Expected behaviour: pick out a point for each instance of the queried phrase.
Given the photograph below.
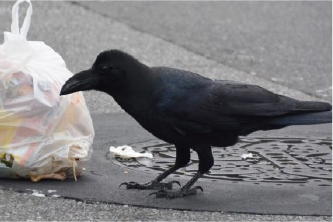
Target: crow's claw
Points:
(176, 193)
(126, 184)
(135, 185)
(199, 188)
(131, 185)
(152, 193)
(154, 185)
(176, 182)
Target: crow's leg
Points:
(182, 158)
(206, 161)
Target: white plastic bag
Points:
(41, 133)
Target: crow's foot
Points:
(154, 185)
(177, 193)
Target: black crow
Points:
(191, 111)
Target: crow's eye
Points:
(105, 68)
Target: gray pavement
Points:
(79, 34)
(287, 42)
(24, 207)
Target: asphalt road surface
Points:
(289, 43)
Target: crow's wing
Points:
(218, 105)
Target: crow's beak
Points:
(81, 81)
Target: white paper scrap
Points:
(127, 152)
(37, 193)
(247, 155)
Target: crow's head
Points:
(109, 72)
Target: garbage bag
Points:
(41, 133)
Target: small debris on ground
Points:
(128, 152)
(37, 193)
(247, 156)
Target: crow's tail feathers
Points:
(303, 119)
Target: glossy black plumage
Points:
(191, 111)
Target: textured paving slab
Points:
(102, 177)
(277, 161)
